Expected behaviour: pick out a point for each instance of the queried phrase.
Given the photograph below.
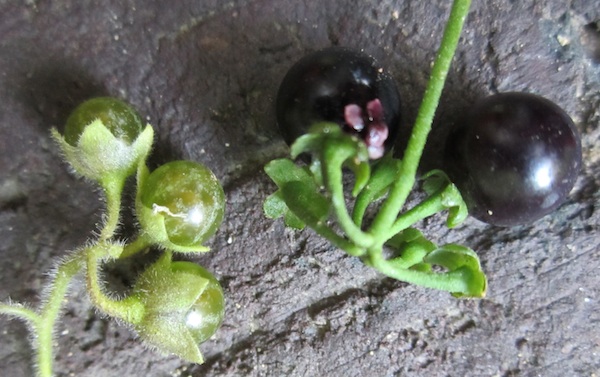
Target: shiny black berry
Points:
(341, 86)
(515, 158)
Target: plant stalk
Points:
(50, 311)
(408, 170)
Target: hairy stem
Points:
(140, 243)
(130, 309)
(414, 150)
(113, 188)
(51, 310)
(21, 312)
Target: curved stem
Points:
(45, 326)
(426, 208)
(130, 309)
(410, 162)
(113, 188)
(141, 242)
(332, 171)
(340, 242)
(21, 312)
(454, 281)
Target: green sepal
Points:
(169, 337)
(167, 295)
(101, 157)
(155, 230)
(436, 182)
(162, 290)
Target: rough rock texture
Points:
(205, 73)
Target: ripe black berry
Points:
(515, 158)
(341, 86)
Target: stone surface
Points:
(205, 74)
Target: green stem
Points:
(45, 326)
(339, 242)
(113, 188)
(383, 175)
(426, 208)
(410, 162)
(20, 312)
(130, 309)
(454, 281)
(332, 171)
(140, 243)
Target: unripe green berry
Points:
(119, 117)
(183, 199)
(183, 307)
(204, 318)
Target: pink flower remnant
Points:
(371, 127)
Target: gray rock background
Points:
(204, 73)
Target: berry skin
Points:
(187, 197)
(515, 158)
(120, 118)
(341, 86)
(204, 318)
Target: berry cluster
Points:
(173, 305)
(511, 160)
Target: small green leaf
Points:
(274, 206)
(305, 202)
(293, 221)
(284, 170)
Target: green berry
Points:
(183, 304)
(187, 197)
(120, 119)
(204, 318)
